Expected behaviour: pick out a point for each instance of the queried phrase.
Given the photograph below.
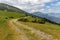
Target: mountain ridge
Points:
(10, 8)
(51, 17)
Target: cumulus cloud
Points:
(31, 5)
(58, 3)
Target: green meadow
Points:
(4, 18)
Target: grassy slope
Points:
(49, 28)
(4, 30)
(10, 8)
(5, 33)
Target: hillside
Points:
(7, 13)
(30, 27)
(10, 8)
(47, 28)
(53, 17)
(4, 17)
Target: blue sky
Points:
(45, 6)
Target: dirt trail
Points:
(17, 33)
(38, 32)
(21, 35)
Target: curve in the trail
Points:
(38, 32)
(14, 26)
(17, 33)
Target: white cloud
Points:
(58, 3)
(8, 0)
(45, 1)
(48, 6)
(31, 5)
(50, 10)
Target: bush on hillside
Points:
(6, 18)
(11, 17)
(34, 20)
(23, 19)
(42, 21)
(39, 20)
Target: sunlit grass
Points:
(29, 34)
(48, 28)
(5, 33)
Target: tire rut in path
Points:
(17, 33)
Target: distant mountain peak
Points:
(37, 12)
